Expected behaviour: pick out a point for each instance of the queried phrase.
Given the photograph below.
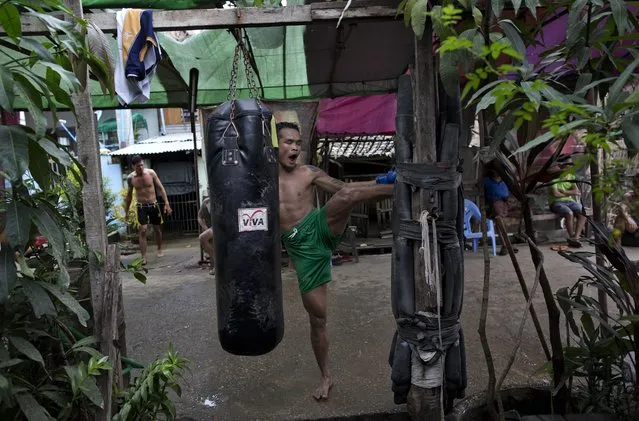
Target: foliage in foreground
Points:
(48, 362)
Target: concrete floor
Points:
(177, 305)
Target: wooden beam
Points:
(242, 17)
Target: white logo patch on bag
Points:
(252, 219)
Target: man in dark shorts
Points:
(310, 235)
(144, 181)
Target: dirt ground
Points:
(177, 305)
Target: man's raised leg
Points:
(339, 207)
(315, 304)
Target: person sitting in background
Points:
(497, 194)
(564, 201)
(626, 231)
(206, 238)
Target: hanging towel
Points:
(138, 55)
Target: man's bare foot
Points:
(321, 393)
(160, 253)
(144, 260)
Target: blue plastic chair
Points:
(471, 211)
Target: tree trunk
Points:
(424, 404)
(554, 328)
(93, 205)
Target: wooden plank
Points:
(107, 320)
(241, 17)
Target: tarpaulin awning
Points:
(358, 115)
(294, 62)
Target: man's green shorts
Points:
(310, 245)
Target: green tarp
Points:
(294, 63)
(111, 125)
(283, 74)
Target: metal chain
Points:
(233, 82)
(250, 80)
(250, 74)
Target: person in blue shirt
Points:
(496, 193)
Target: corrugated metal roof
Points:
(359, 146)
(175, 142)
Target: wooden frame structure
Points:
(423, 403)
(250, 17)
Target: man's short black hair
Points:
(136, 159)
(287, 125)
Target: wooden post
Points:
(108, 320)
(423, 403)
(93, 205)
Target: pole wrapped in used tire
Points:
(242, 168)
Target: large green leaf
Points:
(616, 90)
(418, 18)
(36, 46)
(32, 410)
(14, 151)
(6, 89)
(548, 136)
(10, 19)
(630, 129)
(620, 14)
(82, 382)
(90, 389)
(68, 300)
(56, 396)
(514, 36)
(8, 273)
(18, 223)
(516, 5)
(25, 347)
(39, 165)
(498, 6)
(38, 298)
(582, 90)
(532, 6)
(53, 80)
(56, 152)
(33, 98)
(50, 229)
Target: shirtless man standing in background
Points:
(148, 210)
(310, 235)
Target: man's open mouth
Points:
(293, 157)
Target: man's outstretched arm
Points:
(333, 185)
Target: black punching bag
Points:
(243, 180)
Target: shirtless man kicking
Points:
(144, 181)
(310, 235)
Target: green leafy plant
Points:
(586, 84)
(48, 362)
(148, 396)
(601, 353)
